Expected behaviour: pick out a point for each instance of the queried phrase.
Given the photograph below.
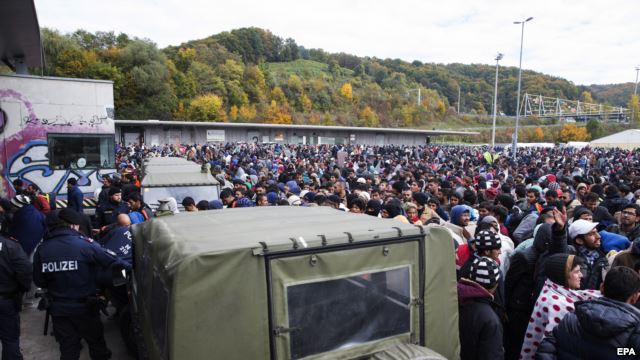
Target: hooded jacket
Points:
(454, 224)
(519, 281)
(479, 321)
(519, 289)
(614, 203)
(553, 304)
(28, 227)
(596, 329)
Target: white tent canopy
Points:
(628, 139)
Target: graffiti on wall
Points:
(31, 165)
(24, 150)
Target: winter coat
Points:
(557, 244)
(519, 289)
(614, 203)
(594, 331)
(519, 281)
(525, 229)
(28, 227)
(465, 271)
(75, 199)
(480, 323)
(554, 302)
(593, 274)
(602, 216)
(631, 235)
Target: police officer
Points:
(66, 264)
(118, 240)
(107, 213)
(15, 279)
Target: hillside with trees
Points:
(252, 75)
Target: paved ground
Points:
(34, 345)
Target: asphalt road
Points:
(34, 345)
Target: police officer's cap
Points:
(70, 216)
(114, 190)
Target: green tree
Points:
(206, 79)
(255, 84)
(235, 94)
(594, 128)
(231, 71)
(184, 58)
(146, 92)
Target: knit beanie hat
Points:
(558, 266)
(485, 271)
(579, 211)
(272, 198)
(70, 216)
(420, 198)
(487, 240)
(114, 190)
(20, 200)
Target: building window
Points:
(81, 151)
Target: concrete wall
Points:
(190, 134)
(33, 107)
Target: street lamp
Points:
(495, 103)
(635, 91)
(514, 146)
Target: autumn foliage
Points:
(571, 132)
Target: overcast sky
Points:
(587, 41)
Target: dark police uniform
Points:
(118, 240)
(66, 264)
(108, 212)
(15, 278)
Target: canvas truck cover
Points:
(174, 171)
(177, 178)
(214, 283)
(165, 161)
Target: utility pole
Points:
(635, 90)
(419, 98)
(495, 103)
(514, 146)
(635, 94)
(458, 99)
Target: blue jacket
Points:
(67, 264)
(28, 227)
(75, 199)
(594, 331)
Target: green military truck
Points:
(165, 177)
(293, 283)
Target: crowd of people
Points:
(547, 247)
